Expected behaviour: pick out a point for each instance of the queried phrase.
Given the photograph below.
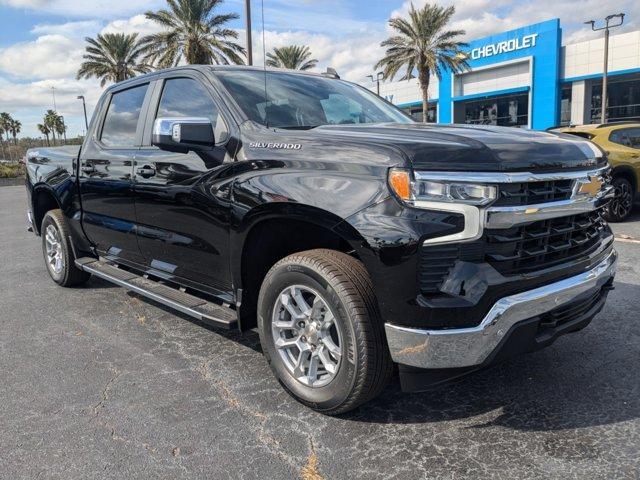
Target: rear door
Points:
(182, 199)
(106, 173)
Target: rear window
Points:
(121, 121)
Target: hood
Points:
(469, 147)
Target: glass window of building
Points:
(565, 105)
(506, 111)
(623, 99)
(416, 113)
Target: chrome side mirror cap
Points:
(183, 134)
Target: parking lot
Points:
(98, 383)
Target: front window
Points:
(304, 101)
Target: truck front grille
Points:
(543, 244)
(531, 193)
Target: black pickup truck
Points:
(353, 238)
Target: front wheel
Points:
(321, 331)
(621, 205)
(57, 251)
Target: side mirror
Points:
(183, 134)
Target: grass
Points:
(11, 170)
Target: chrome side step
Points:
(208, 312)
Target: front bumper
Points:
(469, 347)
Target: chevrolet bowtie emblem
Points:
(591, 187)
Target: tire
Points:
(621, 205)
(344, 288)
(58, 253)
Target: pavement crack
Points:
(310, 471)
(105, 392)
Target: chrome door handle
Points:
(88, 169)
(146, 171)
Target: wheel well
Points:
(272, 240)
(628, 174)
(43, 201)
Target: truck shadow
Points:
(587, 378)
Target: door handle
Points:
(146, 171)
(88, 168)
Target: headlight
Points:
(411, 190)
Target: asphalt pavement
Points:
(97, 383)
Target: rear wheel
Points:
(621, 205)
(321, 331)
(57, 251)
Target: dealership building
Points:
(528, 78)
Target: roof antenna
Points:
(264, 64)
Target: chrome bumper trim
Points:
(507, 217)
(466, 347)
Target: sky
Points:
(42, 41)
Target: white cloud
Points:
(480, 18)
(136, 24)
(49, 56)
(28, 101)
(86, 8)
(68, 29)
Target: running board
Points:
(208, 312)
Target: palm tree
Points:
(2, 140)
(193, 32)
(5, 123)
(60, 128)
(112, 57)
(422, 43)
(50, 120)
(16, 126)
(293, 57)
(44, 129)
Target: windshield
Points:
(305, 101)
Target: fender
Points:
(284, 211)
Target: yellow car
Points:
(621, 141)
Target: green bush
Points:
(11, 170)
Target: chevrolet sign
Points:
(503, 47)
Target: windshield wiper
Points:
(295, 127)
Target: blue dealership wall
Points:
(545, 85)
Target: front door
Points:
(106, 175)
(182, 200)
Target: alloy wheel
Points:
(623, 201)
(307, 336)
(53, 247)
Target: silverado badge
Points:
(276, 146)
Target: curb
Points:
(9, 182)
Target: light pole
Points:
(53, 92)
(377, 79)
(247, 13)
(607, 26)
(84, 108)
